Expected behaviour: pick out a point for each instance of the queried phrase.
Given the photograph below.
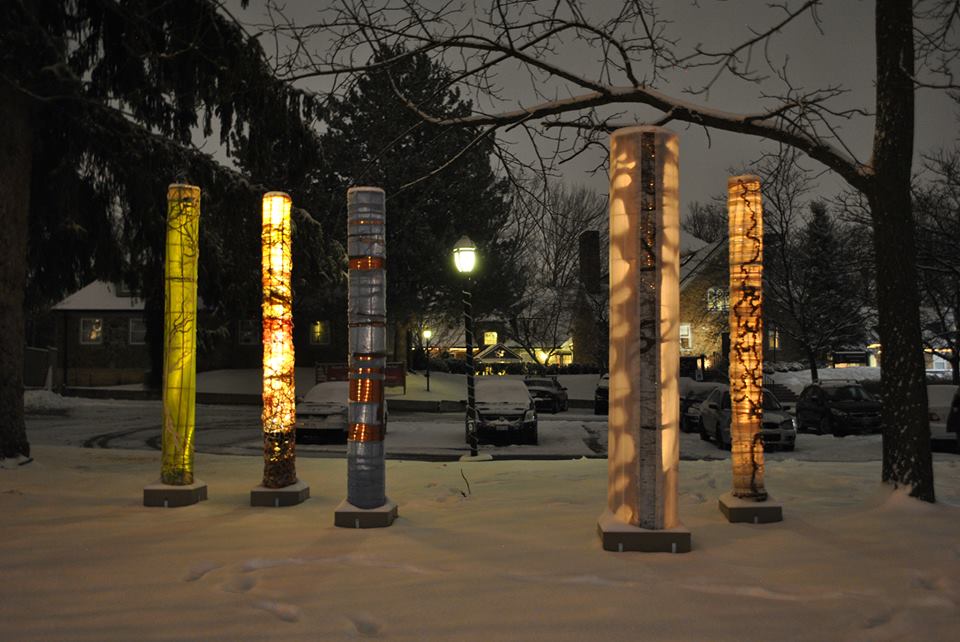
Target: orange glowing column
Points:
(643, 451)
(279, 393)
(746, 335)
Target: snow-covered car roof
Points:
(329, 392)
(496, 389)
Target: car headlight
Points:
(530, 415)
(790, 424)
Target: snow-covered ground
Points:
(481, 551)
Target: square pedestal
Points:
(749, 511)
(620, 537)
(349, 516)
(295, 493)
(168, 496)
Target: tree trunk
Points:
(906, 435)
(812, 360)
(15, 168)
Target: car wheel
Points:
(556, 407)
(824, 428)
(529, 437)
(718, 438)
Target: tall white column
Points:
(643, 446)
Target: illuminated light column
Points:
(746, 355)
(366, 505)
(643, 446)
(177, 486)
(280, 486)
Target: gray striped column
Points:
(366, 505)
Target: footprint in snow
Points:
(285, 612)
(239, 584)
(365, 625)
(199, 570)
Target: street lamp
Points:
(465, 258)
(427, 334)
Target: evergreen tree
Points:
(374, 139)
(100, 99)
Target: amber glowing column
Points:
(366, 504)
(747, 501)
(177, 486)
(280, 485)
(643, 446)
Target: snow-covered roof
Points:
(690, 243)
(692, 263)
(99, 295)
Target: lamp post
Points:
(465, 258)
(427, 334)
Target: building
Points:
(101, 340)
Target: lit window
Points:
(489, 338)
(320, 333)
(138, 331)
(773, 339)
(718, 300)
(686, 336)
(248, 332)
(91, 331)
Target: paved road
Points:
(425, 436)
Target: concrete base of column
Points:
(738, 510)
(621, 537)
(168, 496)
(296, 493)
(349, 516)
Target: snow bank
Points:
(45, 402)
(515, 557)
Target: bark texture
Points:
(15, 167)
(906, 440)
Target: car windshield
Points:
(497, 390)
(540, 383)
(848, 393)
(770, 402)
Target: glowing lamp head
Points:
(465, 255)
(427, 334)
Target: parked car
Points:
(322, 415)
(944, 406)
(690, 409)
(547, 393)
(839, 408)
(601, 396)
(777, 428)
(505, 409)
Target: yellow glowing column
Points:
(180, 334)
(746, 335)
(279, 393)
(643, 446)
